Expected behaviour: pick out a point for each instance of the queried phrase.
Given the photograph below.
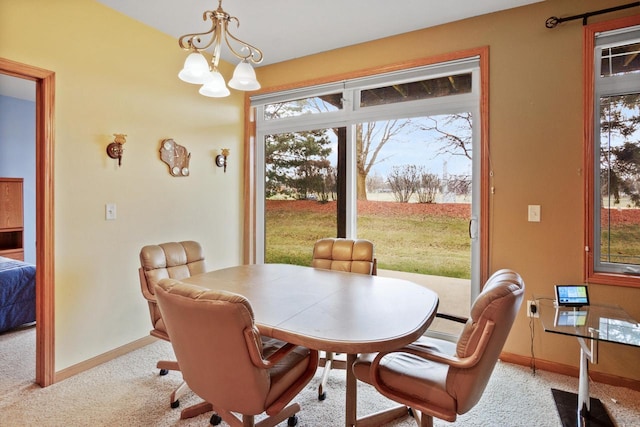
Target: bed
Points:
(17, 293)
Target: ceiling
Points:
(288, 29)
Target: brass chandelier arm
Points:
(219, 30)
(192, 41)
(254, 54)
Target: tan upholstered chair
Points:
(176, 260)
(223, 360)
(354, 256)
(441, 379)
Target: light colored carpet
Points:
(128, 391)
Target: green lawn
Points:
(621, 244)
(436, 245)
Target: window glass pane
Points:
(423, 89)
(620, 179)
(299, 107)
(414, 193)
(620, 60)
(300, 194)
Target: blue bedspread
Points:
(17, 293)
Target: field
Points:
(412, 237)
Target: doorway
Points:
(45, 91)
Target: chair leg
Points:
(168, 365)
(423, 420)
(322, 394)
(276, 419)
(195, 410)
(383, 417)
(178, 393)
(249, 420)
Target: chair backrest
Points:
(354, 256)
(495, 308)
(176, 260)
(211, 332)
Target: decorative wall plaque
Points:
(176, 157)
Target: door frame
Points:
(45, 101)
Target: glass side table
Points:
(590, 325)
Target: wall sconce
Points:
(115, 150)
(221, 159)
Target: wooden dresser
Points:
(11, 218)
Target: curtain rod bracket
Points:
(554, 20)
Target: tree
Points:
(620, 147)
(370, 138)
(404, 180)
(428, 186)
(376, 183)
(455, 130)
(297, 164)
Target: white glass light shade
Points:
(244, 77)
(195, 70)
(214, 87)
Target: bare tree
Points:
(375, 182)
(428, 186)
(404, 180)
(455, 130)
(460, 185)
(370, 138)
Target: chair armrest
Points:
(145, 289)
(252, 337)
(452, 317)
(279, 354)
(453, 361)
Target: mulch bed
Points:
(622, 216)
(454, 210)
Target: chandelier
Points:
(197, 70)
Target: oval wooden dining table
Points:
(329, 310)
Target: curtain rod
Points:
(554, 20)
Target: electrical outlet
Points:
(110, 211)
(534, 213)
(532, 308)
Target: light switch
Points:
(110, 211)
(534, 213)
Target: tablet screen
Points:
(572, 295)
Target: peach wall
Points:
(536, 151)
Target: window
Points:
(613, 151)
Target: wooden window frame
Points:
(589, 34)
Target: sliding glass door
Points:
(389, 158)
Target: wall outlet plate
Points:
(110, 211)
(533, 213)
(532, 308)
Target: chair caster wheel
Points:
(215, 420)
(175, 404)
(164, 371)
(292, 421)
(322, 396)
